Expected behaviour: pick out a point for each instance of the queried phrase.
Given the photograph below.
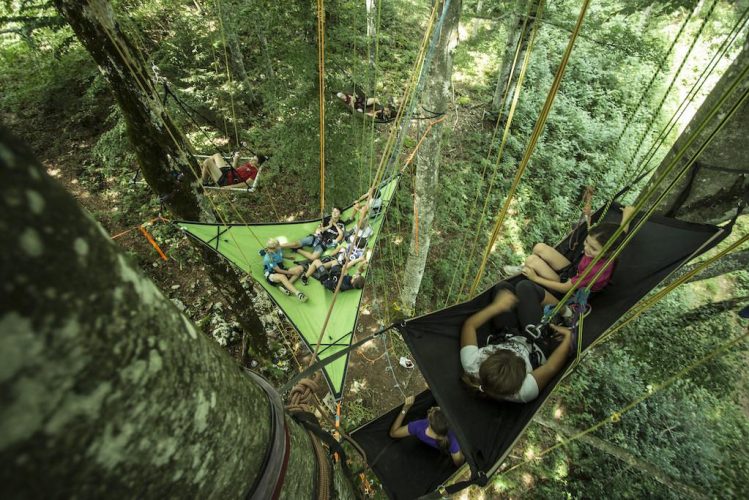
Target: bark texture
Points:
(436, 97)
(160, 147)
(711, 189)
(108, 391)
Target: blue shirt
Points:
(272, 259)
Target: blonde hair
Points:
(272, 243)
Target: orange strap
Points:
(152, 241)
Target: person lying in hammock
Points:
(328, 234)
(370, 106)
(331, 268)
(215, 170)
(557, 275)
(520, 366)
(432, 431)
(276, 274)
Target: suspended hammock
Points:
(486, 429)
(240, 244)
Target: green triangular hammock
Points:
(240, 244)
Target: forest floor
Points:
(376, 382)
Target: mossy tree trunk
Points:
(436, 97)
(159, 145)
(108, 391)
(713, 186)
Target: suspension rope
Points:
(535, 135)
(684, 59)
(683, 106)
(494, 176)
(321, 89)
(229, 81)
(666, 171)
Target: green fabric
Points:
(241, 243)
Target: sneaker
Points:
(305, 280)
(284, 291)
(262, 159)
(301, 297)
(512, 270)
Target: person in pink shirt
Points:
(557, 275)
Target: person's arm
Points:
(398, 430)
(504, 301)
(544, 373)
(340, 233)
(458, 458)
(555, 286)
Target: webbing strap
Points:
(324, 362)
(268, 482)
(309, 422)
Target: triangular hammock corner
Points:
(240, 244)
(487, 430)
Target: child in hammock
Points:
(432, 431)
(519, 367)
(551, 270)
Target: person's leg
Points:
(531, 301)
(298, 271)
(283, 280)
(211, 169)
(307, 255)
(313, 267)
(556, 260)
(541, 267)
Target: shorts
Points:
(312, 241)
(268, 274)
(224, 172)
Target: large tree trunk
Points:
(518, 36)
(436, 96)
(719, 179)
(160, 147)
(107, 389)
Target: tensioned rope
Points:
(494, 177)
(662, 177)
(535, 135)
(321, 89)
(645, 93)
(406, 109)
(424, 67)
(659, 107)
(220, 16)
(739, 26)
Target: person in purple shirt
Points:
(431, 430)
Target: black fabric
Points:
(486, 429)
(407, 467)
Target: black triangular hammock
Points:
(487, 430)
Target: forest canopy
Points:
(245, 76)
